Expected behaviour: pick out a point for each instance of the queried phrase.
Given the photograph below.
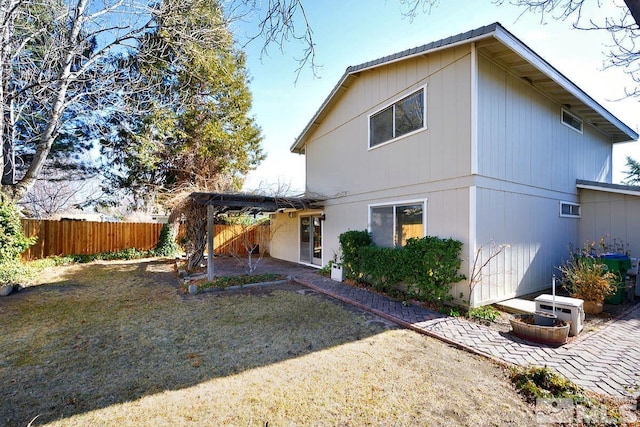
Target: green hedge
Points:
(426, 268)
(432, 267)
(350, 243)
(382, 268)
(12, 239)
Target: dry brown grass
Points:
(114, 343)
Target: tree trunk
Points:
(6, 17)
(65, 77)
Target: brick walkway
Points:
(606, 361)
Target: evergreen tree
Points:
(195, 130)
(632, 172)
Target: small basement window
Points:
(569, 210)
(400, 118)
(572, 121)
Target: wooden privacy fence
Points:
(236, 239)
(86, 237)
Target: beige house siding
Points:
(493, 163)
(447, 216)
(609, 215)
(284, 236)
(339, 160)
(522, 139)
(528, 162)
(537, 238)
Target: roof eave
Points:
(530, 56)
(629, 190)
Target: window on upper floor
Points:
(392, 225)
(400, 118)
(572, 121)
(569, 210)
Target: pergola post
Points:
(210, 236)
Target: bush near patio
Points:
(12, 242)
(12, 239)
(424, 269)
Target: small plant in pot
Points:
(586, 278)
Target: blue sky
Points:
(350, 32)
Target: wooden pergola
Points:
(245, 204)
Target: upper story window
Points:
(572, 121)
(400, 118)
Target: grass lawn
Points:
(115, 343)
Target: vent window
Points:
(569, 210)
(572, 121)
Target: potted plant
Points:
(587, 278)
(336, 268)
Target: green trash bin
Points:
(618, 264)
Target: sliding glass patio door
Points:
(311, 239)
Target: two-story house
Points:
(474, 137)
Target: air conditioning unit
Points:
(571, 310)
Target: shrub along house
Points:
(473, 137)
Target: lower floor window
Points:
(568, 209)
(393, 225)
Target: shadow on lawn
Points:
(106, 333)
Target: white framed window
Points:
(571, 120)
(403, 117)
(393, 224)
(569, 210)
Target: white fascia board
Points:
(528, 55)
(610, 189)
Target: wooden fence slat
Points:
(89, 237)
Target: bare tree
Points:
(279, 22)
(49, 197)
(246, 231)
(482, 261)
(623, 26)
(60, 59)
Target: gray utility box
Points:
(571, 310)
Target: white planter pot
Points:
(336, 272)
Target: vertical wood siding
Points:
(338, 158)
(528, 162)
(522, 139)
(609, 215)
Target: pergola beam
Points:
(225, 203)
(210, 239)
